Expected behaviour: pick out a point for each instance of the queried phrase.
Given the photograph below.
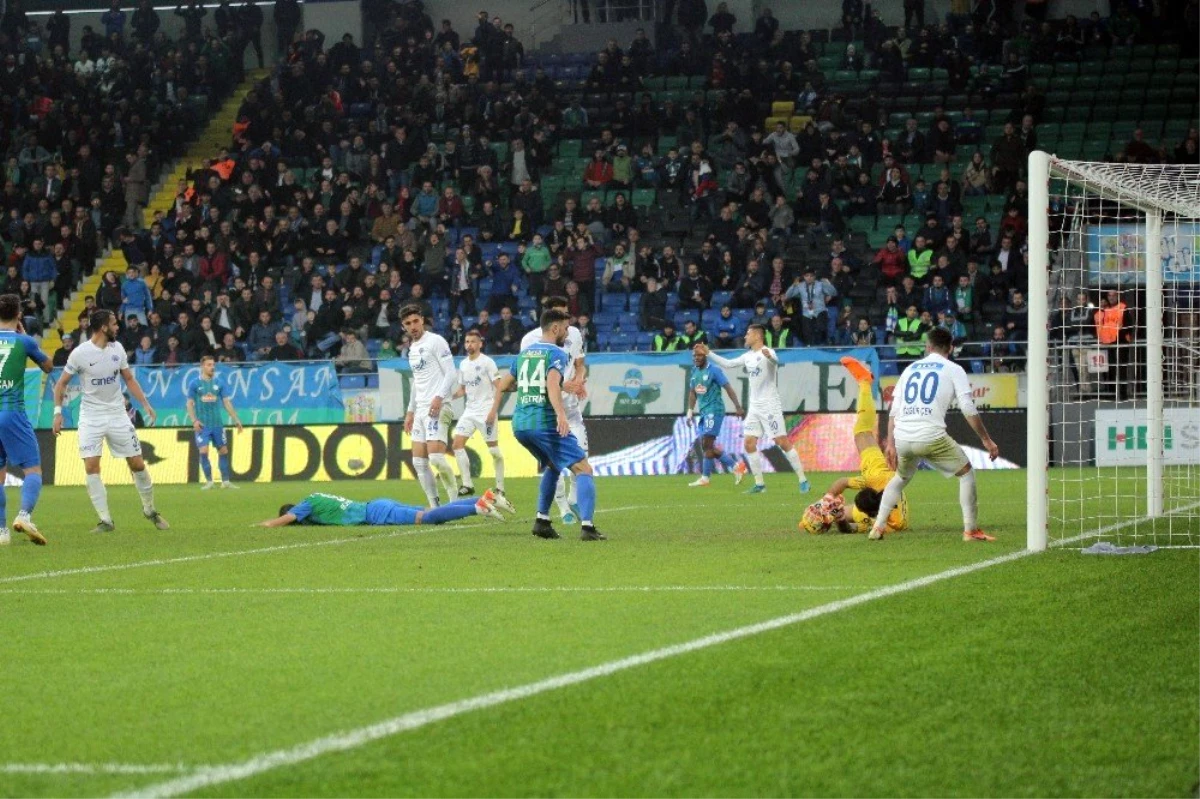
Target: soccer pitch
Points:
(219, 660)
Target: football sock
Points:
(707, 467)
(727, 461)
(572, 488)
(864, 420)
(754, 459)
(891, 498)
(498, 465)
(560, 492)
(3, 508)
(968, 500)
(31, 489)
(206, 467)
(145, 489)
(439, 462)
(587, 497)
(449, 512)
(546, 490)
(793, 457)
(464, 467)
(223, 465)
(425, 478)
(98, 494)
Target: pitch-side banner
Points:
(263, 394)
(1121, 437)
(1116, 253)
(644, 384)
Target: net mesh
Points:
(1101, 372)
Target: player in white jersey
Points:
(574, 392)
(101, 364)
(764, 412)
(434, 380)
(917, 432)
(477, 379)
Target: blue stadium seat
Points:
(720, 298)
(645, 341)
(602, 341)
(621, 342)
(489, 251)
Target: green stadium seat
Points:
(1091, 67)
(587, 196)
(1144, 50)
(570, 148)
(1168, 51)
(644, 198)
(675, 82)
(1066, 68)
(920, 74)
(1088, 82)
(1041, 70)
(1062, 83)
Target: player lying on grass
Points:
(917, 432)
(706, 406)
(873, 476)
(332, 510)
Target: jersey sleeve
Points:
(963, 391)
(447, 360)
(558, 360)
(123, 363)
(858, 483)
(727, 363)
(719, 377)
(492, 371)
(301, 510)
(32, 350)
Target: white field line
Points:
(352, 739)
(94, 768)
(139, 564)
(384, 590)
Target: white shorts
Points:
(943, 454)
(764, 424)
(427, 429)
(575, 420)
(118, 431)
(468, 425)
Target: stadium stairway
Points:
(215, 136)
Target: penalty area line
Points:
(94, 768)
(384, 590)
(353, 739)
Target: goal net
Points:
(1114, 375)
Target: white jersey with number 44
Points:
(926, 391)
(477, 376)
(99, 373)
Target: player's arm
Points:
(34, 352)
(279, 521)
(839, 487)
(770, 355)
(497, 398)
(60, 393)
(691, 403)
(889, 449)
(135, 388)
(966, 403)
(506, 382)
(191, 414)
(554, 391)
(446, 389)
(233, 414)
(724, 363)
(576, 384)
(733, 397)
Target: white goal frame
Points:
(1101, 181)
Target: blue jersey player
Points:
(18, 444)
(540, 423)
(706, 406)
(205, 399)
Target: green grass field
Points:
(136, 660)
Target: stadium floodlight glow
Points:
(1114, 375)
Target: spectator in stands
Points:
(810, 297)
(284, 349)
(863, 334)
(135, 296)
(262, 336)
(1008, 155)
(911, 144)
(1000, 352)
(910, 338)
(777, 335)
(619, 273)
(669, 340)
(504, 337)
(894, 195)
(652, 310)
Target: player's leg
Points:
(579, 430)
(908, 457)
(123, 443)
(754, 430)
(949, 457)
(777, 429)
(91, 447)
(218, 440)
(706, 459)
(586, 483)
(866, 419)
(462, 433)
(436, 445)
(205, 466)
(493, 444)
(536, 442)
(420, 460)
(5, 536)
(18, 447)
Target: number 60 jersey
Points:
(924, 393)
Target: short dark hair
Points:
(10, 307)
(554, 302)
(762, 329)
(411, 310)
(204, 358)
(553, 316)
(286, 508)
(868, 500)
(99, 320)
(940, 339)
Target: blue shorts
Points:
(709, 424)
(210, 435)
(551, 449)
(389, 511)
(18, 443)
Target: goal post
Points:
(1113, 438)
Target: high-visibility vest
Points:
(906, 325)
(664, 344)
(777, 339)
(919, 263)
(1109, 322)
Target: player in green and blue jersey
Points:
(18, 444)
(332, 510)
(540, 423)
(205, 399)
(707, 405)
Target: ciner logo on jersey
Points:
(104, 381)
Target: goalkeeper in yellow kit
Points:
(872, 479)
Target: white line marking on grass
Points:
(94, 768)
(508, 589)
(352, 739)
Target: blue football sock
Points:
(223, 464)
(206, 467)
(585, 486)
(706, 468)
(31, 489)
(3, 506)
(546, 490)
(727, 461)
(459, 509)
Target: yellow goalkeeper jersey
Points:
(875, 474)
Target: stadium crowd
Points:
(839, 187)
